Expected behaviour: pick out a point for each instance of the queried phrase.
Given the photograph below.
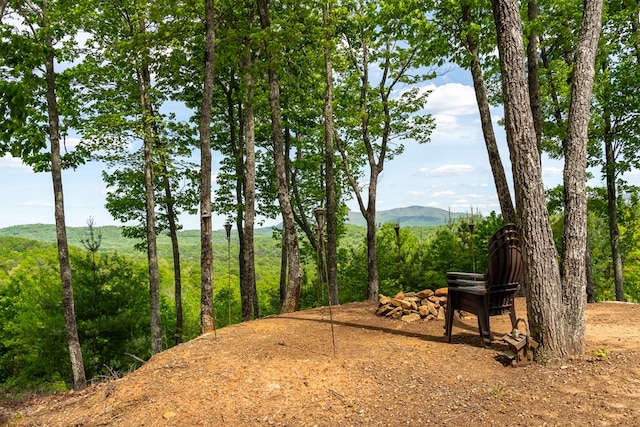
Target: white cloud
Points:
(451, 99)
(11, 162)
(552, 171)
(451, 170)
(446, 123)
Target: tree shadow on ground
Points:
(472, 337)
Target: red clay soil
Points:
(281, 371)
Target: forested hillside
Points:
(295, 110)
(113, 240)
(111, 287)
(419, 216)
(111, 295)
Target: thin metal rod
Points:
(229, 279)
(326, 275)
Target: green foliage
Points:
(112, 312)
(416, 258)
(111, 308)
(26, 40)
(628, 215)
(32, 327)
(111, 292)
(394, 42)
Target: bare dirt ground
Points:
(281, 371)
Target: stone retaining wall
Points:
(425, 305)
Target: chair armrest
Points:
(473, 283)
(474, 290)
(456, 278)
(455, 274)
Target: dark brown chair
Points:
(492, 293)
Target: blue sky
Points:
(450, 172)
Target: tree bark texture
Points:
(541, 269)
(574, 272)
(207, 319)
(612, 214)
(369, 212)
(248, 285)
(372, 255)
(292, 295)
(591, 292)
(71, 329)
(497, 168)
(330, 180)
(144, 86)
(533, 72)
(282, 286)
(611, 175)
(169, 204)
(247, 292)
(175, 251)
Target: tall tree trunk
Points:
(559, 119)
(290, 234)
(330, 180)
(612, 214)
(573, 271)
(284, 260)
(373, 289)
(499, 177)
(589, 273)
(248, 277)
(369, 213)
(73, 342)
(610, 168)
(207, 319)
(169, 204)
(144, 86)
(533, 74)
(149, 138)
(247, 291)
(541, 269)
(175, 250)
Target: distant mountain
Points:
(420, 216)
(112, 238)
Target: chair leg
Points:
(449, 319)
(512, 314)
(483, 325)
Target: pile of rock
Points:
(414, 306)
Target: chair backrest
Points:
(504, 269)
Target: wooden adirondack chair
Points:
(491, 293)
